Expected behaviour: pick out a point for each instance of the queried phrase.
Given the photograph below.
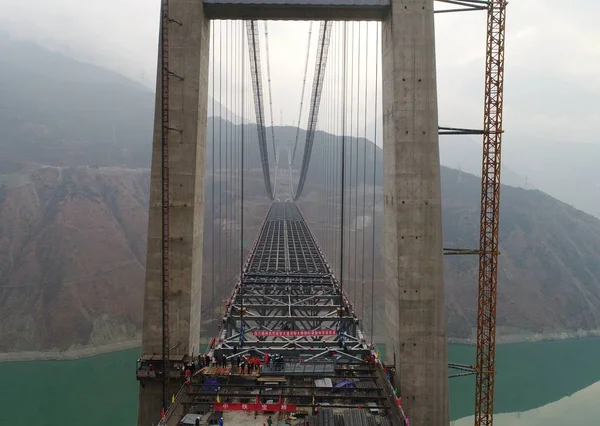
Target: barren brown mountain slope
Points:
(73, 203)
(71, 256)
(549, 268)
(72, 237)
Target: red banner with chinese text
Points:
(293, 333)
(237, 406)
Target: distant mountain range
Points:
(50, 101)
(74, 178)
(567, 171)
(465, 154)
(549, 264)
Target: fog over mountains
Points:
(74, 156)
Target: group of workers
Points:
(243, 364)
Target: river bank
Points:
(528, 337)
(81, 352)
(70, 354)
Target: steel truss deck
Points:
(287, 288)
(288, 304)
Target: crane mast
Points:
(490, 213)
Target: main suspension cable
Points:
(227, 143)
(328, 165)
(343, 180)
(378, 32)
(335, 156)
(322, 51)
(242, 149)
(338, 147)
(364, 181)
(355, 300)
(220, 254)
(303, 87)
(245, 154)
(349, 171)
(236, 151)
(255, 70)
(270, 92)
(213, 149)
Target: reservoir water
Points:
(102, 390)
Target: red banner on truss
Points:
(293, 333)
(236, 406)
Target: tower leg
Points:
(188, 44)
(414, 314)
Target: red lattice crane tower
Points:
(490, 213)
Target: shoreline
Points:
(70, 354)
(83, 352)
(531, 337)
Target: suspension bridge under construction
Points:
(294, 344)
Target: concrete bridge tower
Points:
(414, 314)
(413, 244)
(189, 38)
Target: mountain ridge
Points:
(73, 214)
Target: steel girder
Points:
(287, 287)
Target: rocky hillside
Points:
(549, 276)
(74, 180)
(72, 256)
(549, 271)
(73, 214)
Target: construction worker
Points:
(197, 422)
(221, 421)
(269, 421)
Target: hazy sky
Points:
(552, 63)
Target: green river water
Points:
(102, 390)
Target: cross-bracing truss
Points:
(288, 301)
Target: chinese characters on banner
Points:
(237, 406)
(293, 333)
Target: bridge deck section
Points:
(290, 341)
(288, 301)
